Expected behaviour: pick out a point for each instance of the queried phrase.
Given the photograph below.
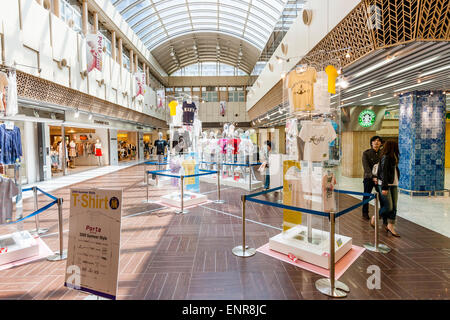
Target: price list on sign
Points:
(94, 241)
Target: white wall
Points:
(210, 112)
(30, 151)
(326, 14)
(45, 39)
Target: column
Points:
(113, 45)
(120, 58)
(55, 8)
(30, 150)
(422, 140)
(131, 60)
(84, 16)
(136, 63)
(95, 15)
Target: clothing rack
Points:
(18, 182)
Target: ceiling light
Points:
(413, 66)
(356, 95)
(436, 70)
(379, 95)
(90, 116)
(388, 85)
(348, 54)
(419, 81)
(414, 85)
(343, 83)
(375, 66)
(339, 71)
(386, 99)
(283, 75)
(360, 86)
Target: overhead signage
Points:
(94, 241)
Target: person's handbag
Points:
(262, 167)
(375, 169)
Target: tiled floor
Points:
(169, 256)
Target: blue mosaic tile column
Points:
(422, 140)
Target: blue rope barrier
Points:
(36, 212)
(207, 162)
(283, 206)
(340, 213)
(354, 192)
(158, 172)
(27, 189)
(262, 192)
(156, 163)
(47, 194)
(242, 164)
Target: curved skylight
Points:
(158, 21)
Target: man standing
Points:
(369, 158)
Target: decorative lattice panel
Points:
(352, 33)
(434, 20)
(37, 89)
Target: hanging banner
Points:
(8, 94)
(161, 98)
(140, 83)
(94, 51)
(94, 241)
(223, 108)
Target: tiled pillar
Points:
(422, 140)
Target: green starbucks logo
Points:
(366, 118)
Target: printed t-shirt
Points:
(332, 75)
(160, 146)
(8, 190)
(301, 87)
(188, 113)
(317, 136)
(173, 107)
(189, 169)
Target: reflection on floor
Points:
(429, 212)
(74, 170)
(164, 255)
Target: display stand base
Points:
(230, 182)
(58, 257)
(219, 201)
(295, 241)
(248, 252)
(17, 246)
(381, 248)
(40, 231)
(340, 288)
(190, 199)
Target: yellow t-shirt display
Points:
(332, 75)
(189, 168)
(291, 194)
(302, 89)
(173, 107)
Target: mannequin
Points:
(98, 152)
(203, 145)
(72, 153)
(161, 146)
(213, 146)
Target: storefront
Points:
(85, 149)
(127, 146)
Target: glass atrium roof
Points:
(158, 21)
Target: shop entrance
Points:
(127, 145)
(85, 149)
(147, 145)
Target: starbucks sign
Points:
(366, 118)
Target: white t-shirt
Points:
(8, 190)
(177, 119)
(321, 94)
(317, 136)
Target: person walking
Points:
(388, 177)
(369, 158)
(265, 165)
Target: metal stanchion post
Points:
(377, 247)
(62, 254)
(219, 172)
(330, 286)
(38, 230)
(182, 197)
(250, 177)
(243, 251)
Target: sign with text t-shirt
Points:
(94, 241)
(317, 136)
(188, 113)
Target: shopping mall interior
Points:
(225, 150)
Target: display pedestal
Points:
(230, 182)
(295, 241)
(17, 246)
(190, 199)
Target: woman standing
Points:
(265, 166)
(388, 177)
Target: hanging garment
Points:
(188, 113)
(8, 190)
(321, 94)
(72, 151)
(301, 87)
(317, 136)
(11, 106)
(332, 75)
(98, 150)
(10, 145)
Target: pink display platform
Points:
(44, 252)
(341, 266)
